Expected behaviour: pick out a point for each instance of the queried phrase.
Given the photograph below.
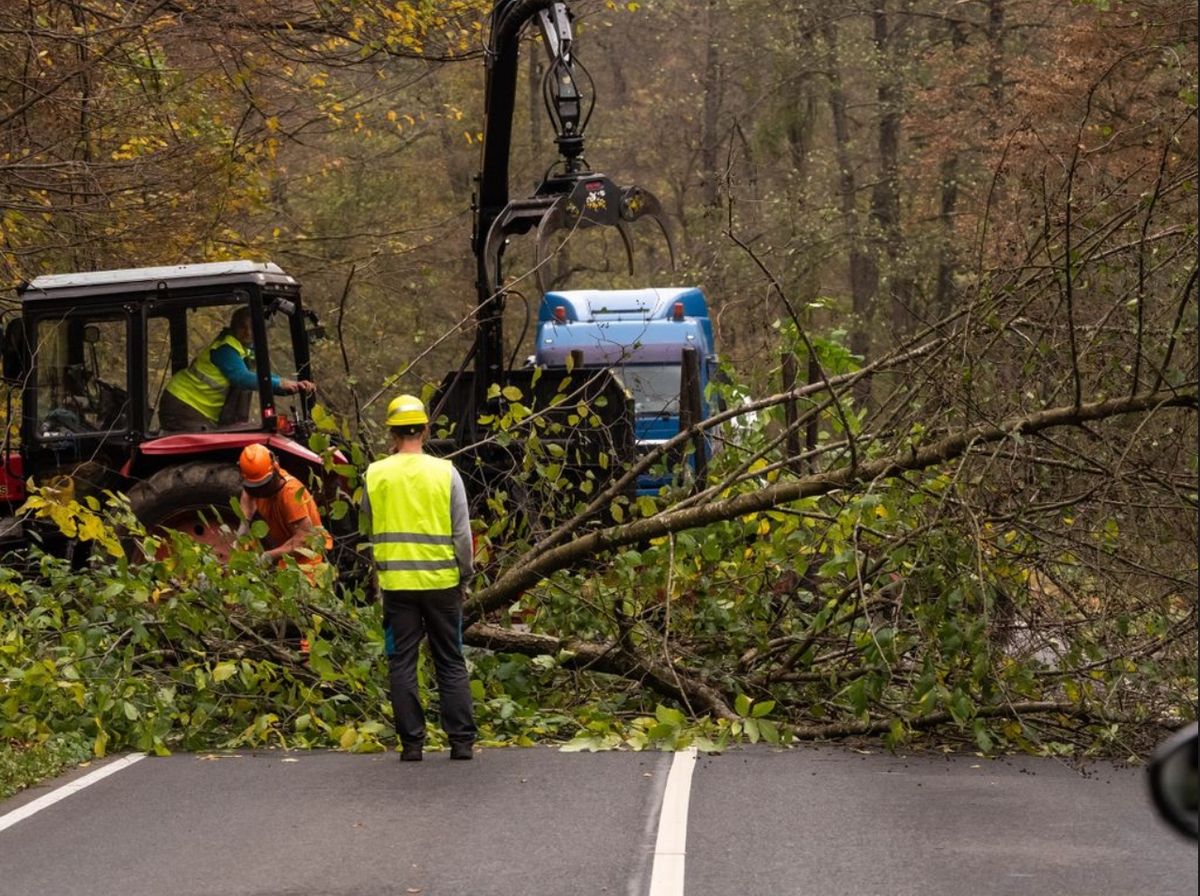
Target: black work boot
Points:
(461, 751)
(411, 753)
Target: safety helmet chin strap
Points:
(268, 488)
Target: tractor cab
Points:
(88, 360)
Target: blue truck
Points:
(648, 338)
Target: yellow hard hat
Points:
(406, 410)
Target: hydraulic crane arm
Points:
(572, 197)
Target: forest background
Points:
(950, 249)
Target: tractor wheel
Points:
(192, 498)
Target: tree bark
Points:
(890, 46)
(863, 269)
(710, 140)
(608, 657)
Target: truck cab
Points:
(642, 336)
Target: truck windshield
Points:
(655, 388)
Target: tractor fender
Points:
(156, 454)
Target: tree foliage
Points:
(950, 249)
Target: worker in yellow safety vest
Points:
(196, 395)
(414, 511)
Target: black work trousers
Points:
(176, 415)
(436, 614)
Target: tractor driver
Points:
(196, 396)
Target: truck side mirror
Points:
(281, 305)
(1173, 780)
(16, 351)
(315, 331)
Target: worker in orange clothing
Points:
(280, 500)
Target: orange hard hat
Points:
(257, 465)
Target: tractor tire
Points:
(192, 498)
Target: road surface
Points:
(812, 820)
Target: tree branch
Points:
(535, 568)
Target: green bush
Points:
(23, 765)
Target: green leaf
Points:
(741, 705)
(669, 716)
(769, 731)
(982, 737)
(224, 671)
(581, 743)
(961, 707)
(662, 731)
(762, 709)
(857, 694)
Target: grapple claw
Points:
(589, 200)
(561, 217)
(638, 203)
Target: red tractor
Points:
(87, 362)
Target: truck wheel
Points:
(191, 498)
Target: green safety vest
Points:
(203, 386)
(412, 538)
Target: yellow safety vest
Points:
(412, 538)
(203, 386)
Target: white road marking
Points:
(16, 815)
(670, 849)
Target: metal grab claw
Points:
(589, 200)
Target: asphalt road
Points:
(532, 822)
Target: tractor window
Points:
(282, 355)
(204, 325)
(158, 363)
(180, 342)
(82, 376)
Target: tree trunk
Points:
(864, 272)
(710, 141)
(890, 44)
